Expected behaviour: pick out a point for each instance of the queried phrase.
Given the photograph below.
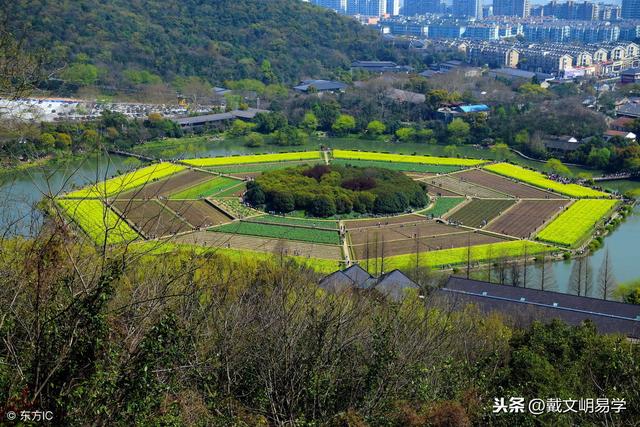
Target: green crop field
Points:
(206, 189)
(400, 158)
(458, 256)
(574, 224)
(479, 212)
(539, 180)
(244, 256)
(281, 232)
(441, 206)
(127, 181)
(254, 158)
(97, 221)
(235, 207)
(404, 167)
(287, 220)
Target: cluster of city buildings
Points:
(563, 60)
(559, 31)
(474, 9)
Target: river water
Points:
(20, 192)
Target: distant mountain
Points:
(214, 39)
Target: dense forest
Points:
(324, 191)
(142, 41)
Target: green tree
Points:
(425, 136)
(90, 138)
(254, 140)
(344, 124)
(451, 151)
(458, 131)
(405, 134)
(555, 166)
(63, 140)
(47, 141)
(309, 122)
(599, 157)
(375, 128)
(241, 128)
(268, 75)
(82, 74)
(323, 206)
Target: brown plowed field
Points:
(479, 212)
(438, 191)
(505, 185)
(168, 186)
(419, 175)
(526, 217)
(401, 231)
(225, 240)
(454, 184)
(407, 246)
(151, 217)
(198, 213)
(378, 222)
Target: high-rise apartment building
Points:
(467, 9)
(393, 7)
(631, 9)
(339, 6)
(366, 7)
(421, 7)
(518, 8)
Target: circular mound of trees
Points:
(324, 191)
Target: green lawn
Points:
(405, 167)
(287, 220)
(281, 232)
(441, 206)
(206, 189)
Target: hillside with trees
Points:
(150, 41)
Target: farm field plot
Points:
(457, 256)
(504, 185)
(479, 212)
(233, 206)
(257, 168)
(428, 243)
(127, 181)
(441, 206)
(378, 222)
(539, 180)
(206, 189)
(285, 220)
(526, 217)
(233, 191)
(98, 221)
(404, 167)
(456, 185)
(401, 158)
(576, 222)
(255, 158)
(198, 213)
(401, 231)
(151, 217)
(436, 191)
(261, 244)
(281, 232)
(167, 186)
